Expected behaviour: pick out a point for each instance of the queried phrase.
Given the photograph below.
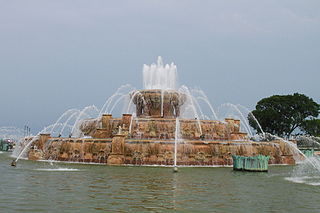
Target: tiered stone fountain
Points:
(147, 136)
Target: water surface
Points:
(42, 187)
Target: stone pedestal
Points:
(105, 120)
(156, 103)
(237, 126)
(126, 120)
(106, 127)
(116, 156)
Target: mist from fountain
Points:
(315, 164)
(307, 171)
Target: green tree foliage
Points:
(311, 127)
(282, 114)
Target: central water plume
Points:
(160, 76)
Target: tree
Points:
(311, 127)
(282, 114)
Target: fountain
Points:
(163, 124)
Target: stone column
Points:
(116, 156)
(126, 120)
(106, 121)
(230, 124)
(106, 128)
(237, 127)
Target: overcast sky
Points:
(56, 55)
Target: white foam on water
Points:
(1, 152)
(314, 184)
(57, 169)
(71, 162)
(309, 180)
(296, 179)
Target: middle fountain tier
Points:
(156, 103)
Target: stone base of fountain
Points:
(150, 141)
(121, 150)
